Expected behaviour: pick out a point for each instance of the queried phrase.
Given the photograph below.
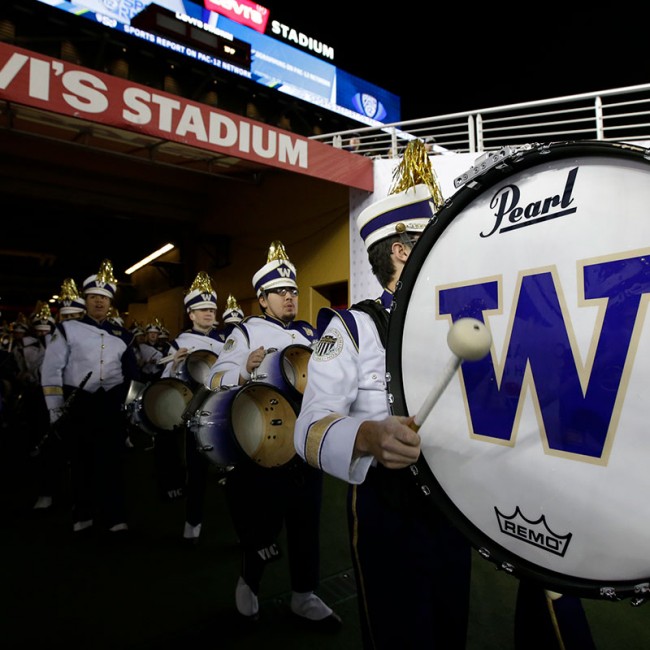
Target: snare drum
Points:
(251, 422)
(195, 368)
(539, 452)
(157, 406)
(286, 369)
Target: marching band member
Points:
(48, 454)
(85, 377)
(261, 499)
(345, 428)
(411, 565)
(231, 316)
(150, 355)
(71, 304)
(162, 343)
(51, 452)
(201, 306)
(30, 415)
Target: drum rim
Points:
(420, 471)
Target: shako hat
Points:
(413, 199)
(103, 283)
(42, 318)
(233, 313)
(137, 329)
(201, 295)
(277, 272)
(113, 316)
(154, 326)
(70, 302)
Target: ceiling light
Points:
(150, 258)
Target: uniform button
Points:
(101, 361)
(373, 376)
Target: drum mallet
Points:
(469, 340)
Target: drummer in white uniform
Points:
(412, 567)
(190, 481)
(263, 499)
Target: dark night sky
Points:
(473, 58)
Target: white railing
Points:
(620, 114)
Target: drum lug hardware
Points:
(414, 470)
(484, 553)
(391, 399)
(481, 165)
(206, 448)
(425, 490)
(276, 422)
(609, 593)
(642, 588)
(507, 567)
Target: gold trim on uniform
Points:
(315, 435)
(52, 390)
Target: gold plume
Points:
(43, 313)
(201, 283)
(69, 290)
(231, 303)
(415, 168)
(277, 252)
(105, 273)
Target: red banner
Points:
(59, 86)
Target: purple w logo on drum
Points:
(577, 404)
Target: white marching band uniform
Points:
(76, 348)
(193, 340)
(251, 333)
(349, 388)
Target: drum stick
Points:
(170, 357)
(469, 340)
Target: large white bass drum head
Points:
(540, 452)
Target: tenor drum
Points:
(539, 452)
(157, 406)
(195, 369)
(251, 422)
(286, 369)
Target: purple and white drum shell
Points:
(212, 428)
(286, 369)
(539, 452)
(158, 405)
(254, 422)
(196, 367)
(163, 404)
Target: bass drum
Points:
(252, 422)
(539, 452)
(157, 406)
(286, 369)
